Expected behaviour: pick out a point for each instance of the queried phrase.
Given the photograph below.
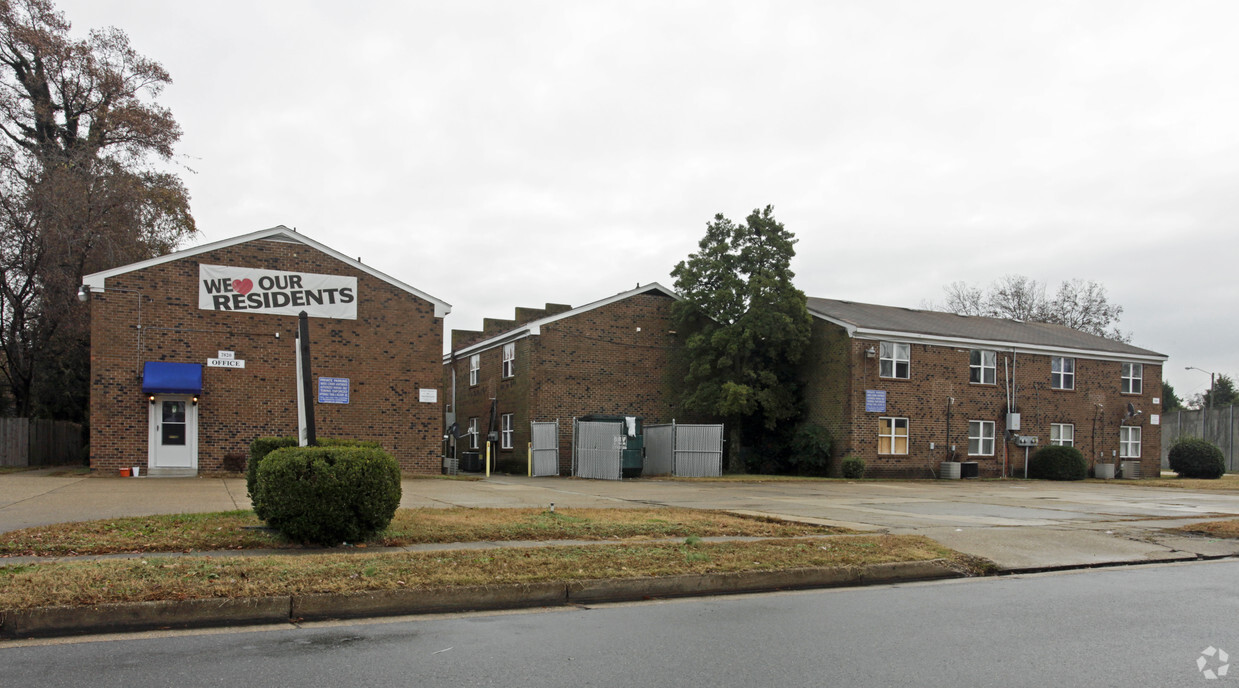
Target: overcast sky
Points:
(502, 154)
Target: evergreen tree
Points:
(744, 326)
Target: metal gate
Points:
(597, 450)
(544, 448)
(659, 450)
(689, 451)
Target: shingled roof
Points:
(867, 320)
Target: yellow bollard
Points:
(529, 457)
(488, 459)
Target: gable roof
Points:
(870, 321)
(279, 232)
(534, 327)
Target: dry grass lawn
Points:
(242, 530)
(97, 582)
(1221, 529)
(1230, 481)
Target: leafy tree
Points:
(79, 134)
(1222, 394)
(744, 327)
(1170, 400)
(1077, 304)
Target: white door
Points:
(173, 432)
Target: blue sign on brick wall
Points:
(875, 401)
(333, 390)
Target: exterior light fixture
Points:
(195, 400)
(151, 398)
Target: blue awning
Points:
(162, 377)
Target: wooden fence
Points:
(40, 442)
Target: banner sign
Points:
(875, 401)
(250, 290)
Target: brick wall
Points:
(389, 353)
(1095, 406)
(612, 359)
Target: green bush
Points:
(1057, 463)
(853, 468)
(810, 449)
(329, 495)
(262, 446)
(259, 448)
(1193, 458)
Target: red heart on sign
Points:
(243, 286)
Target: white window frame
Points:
(473, 433)
(894, 435)
(475, 365)
(509, 360)
(889, 360)
(1059, 438)
(977, 372)
(1133, 378)
(505, 431)
(1129, 441)
(980, 438)
(1062, 373)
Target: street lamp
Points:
(1210, 396)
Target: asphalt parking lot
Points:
(1019, 524)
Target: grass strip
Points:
(1230, 481)
(1219, 529)
(98, 582)
(240, 529)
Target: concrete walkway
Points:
(1020, 525)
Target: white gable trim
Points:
(95, 281)
(534, 327)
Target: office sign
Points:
(250, 290)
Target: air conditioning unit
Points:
(1013, 421)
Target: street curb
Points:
(400, 602)
(157, 615)
(143, 616)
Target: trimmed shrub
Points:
(1057, 463)
(259, 448)
(262, 446)
(1193, 458)
(853, 468)
(329, 495)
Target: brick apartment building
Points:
(557, 363)
(193, 354)
(900, 387)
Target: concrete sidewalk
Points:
(1020, 525)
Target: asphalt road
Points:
(1140, 626)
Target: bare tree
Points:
(79, 134)
(1077, 304)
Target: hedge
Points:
(1195, 458)
(262, 446)
(1057, 463)
(329, 495)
